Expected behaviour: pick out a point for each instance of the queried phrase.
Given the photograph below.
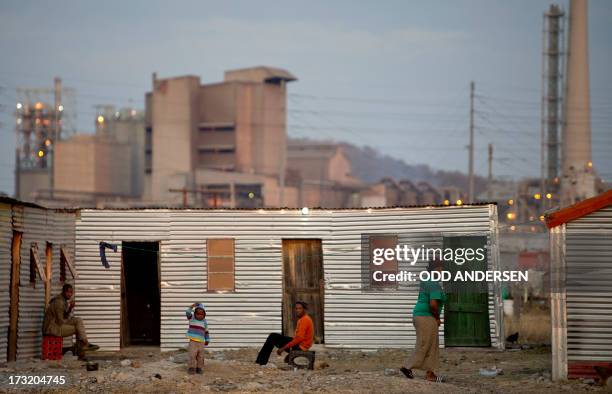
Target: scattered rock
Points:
(157, 376)
(491, 372)
(126, 363)
(391, 372)
(136, 364)
(180, 358)
(122, 376)
(322, 365)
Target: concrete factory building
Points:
(249, 266)
(221, 144)
(581, 287)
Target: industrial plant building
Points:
(221, 144)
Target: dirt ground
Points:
(148, 370)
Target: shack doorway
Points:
(303, 281)
(140, 294)
(466, 313)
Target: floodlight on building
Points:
(459, 202)
(512, 228)
(251, 195)
(19, 105)
(305, 211)
(511, 215)
(510, 202)
(47, 142)
(542, 218)
(548, 196)
(537, 196)
(60, 108)
(446, 202)
(38, 105)
(100, 119)
(41, 153)
(590, 164)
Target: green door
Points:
(466, 313)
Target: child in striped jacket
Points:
(198, 336)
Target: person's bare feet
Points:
(432, 377)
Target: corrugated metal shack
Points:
(238, 263)
(34, 242)
(581, 287)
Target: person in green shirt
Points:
(426, 319)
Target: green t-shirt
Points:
(428, 291)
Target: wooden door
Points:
(466, 313)
(14, 297)
(303, 281)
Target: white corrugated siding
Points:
(6, 235)
(385, 318)
(245, 317)
(588, 260)
(98, 290)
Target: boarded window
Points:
(48, 271)
(389, 266)
(35, 266)
(220, 264)
(66, 263)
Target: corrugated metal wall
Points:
(385, 318)
(245, 317)
(40, 226)
(6, 236)
(588, 258)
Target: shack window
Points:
(220, 253)
(389, 266)
(35, 266)
(65, 262)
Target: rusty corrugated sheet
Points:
(6, 235)
(37, 228)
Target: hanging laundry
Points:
(103, 247)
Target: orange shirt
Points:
(304, 333)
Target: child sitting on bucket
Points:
(198, 336)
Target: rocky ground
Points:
(148, 370)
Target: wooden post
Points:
(14, 297)
(48, 272)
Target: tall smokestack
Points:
(578, 180)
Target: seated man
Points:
(304, 334)
(59, 322)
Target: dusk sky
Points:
(393, 75)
